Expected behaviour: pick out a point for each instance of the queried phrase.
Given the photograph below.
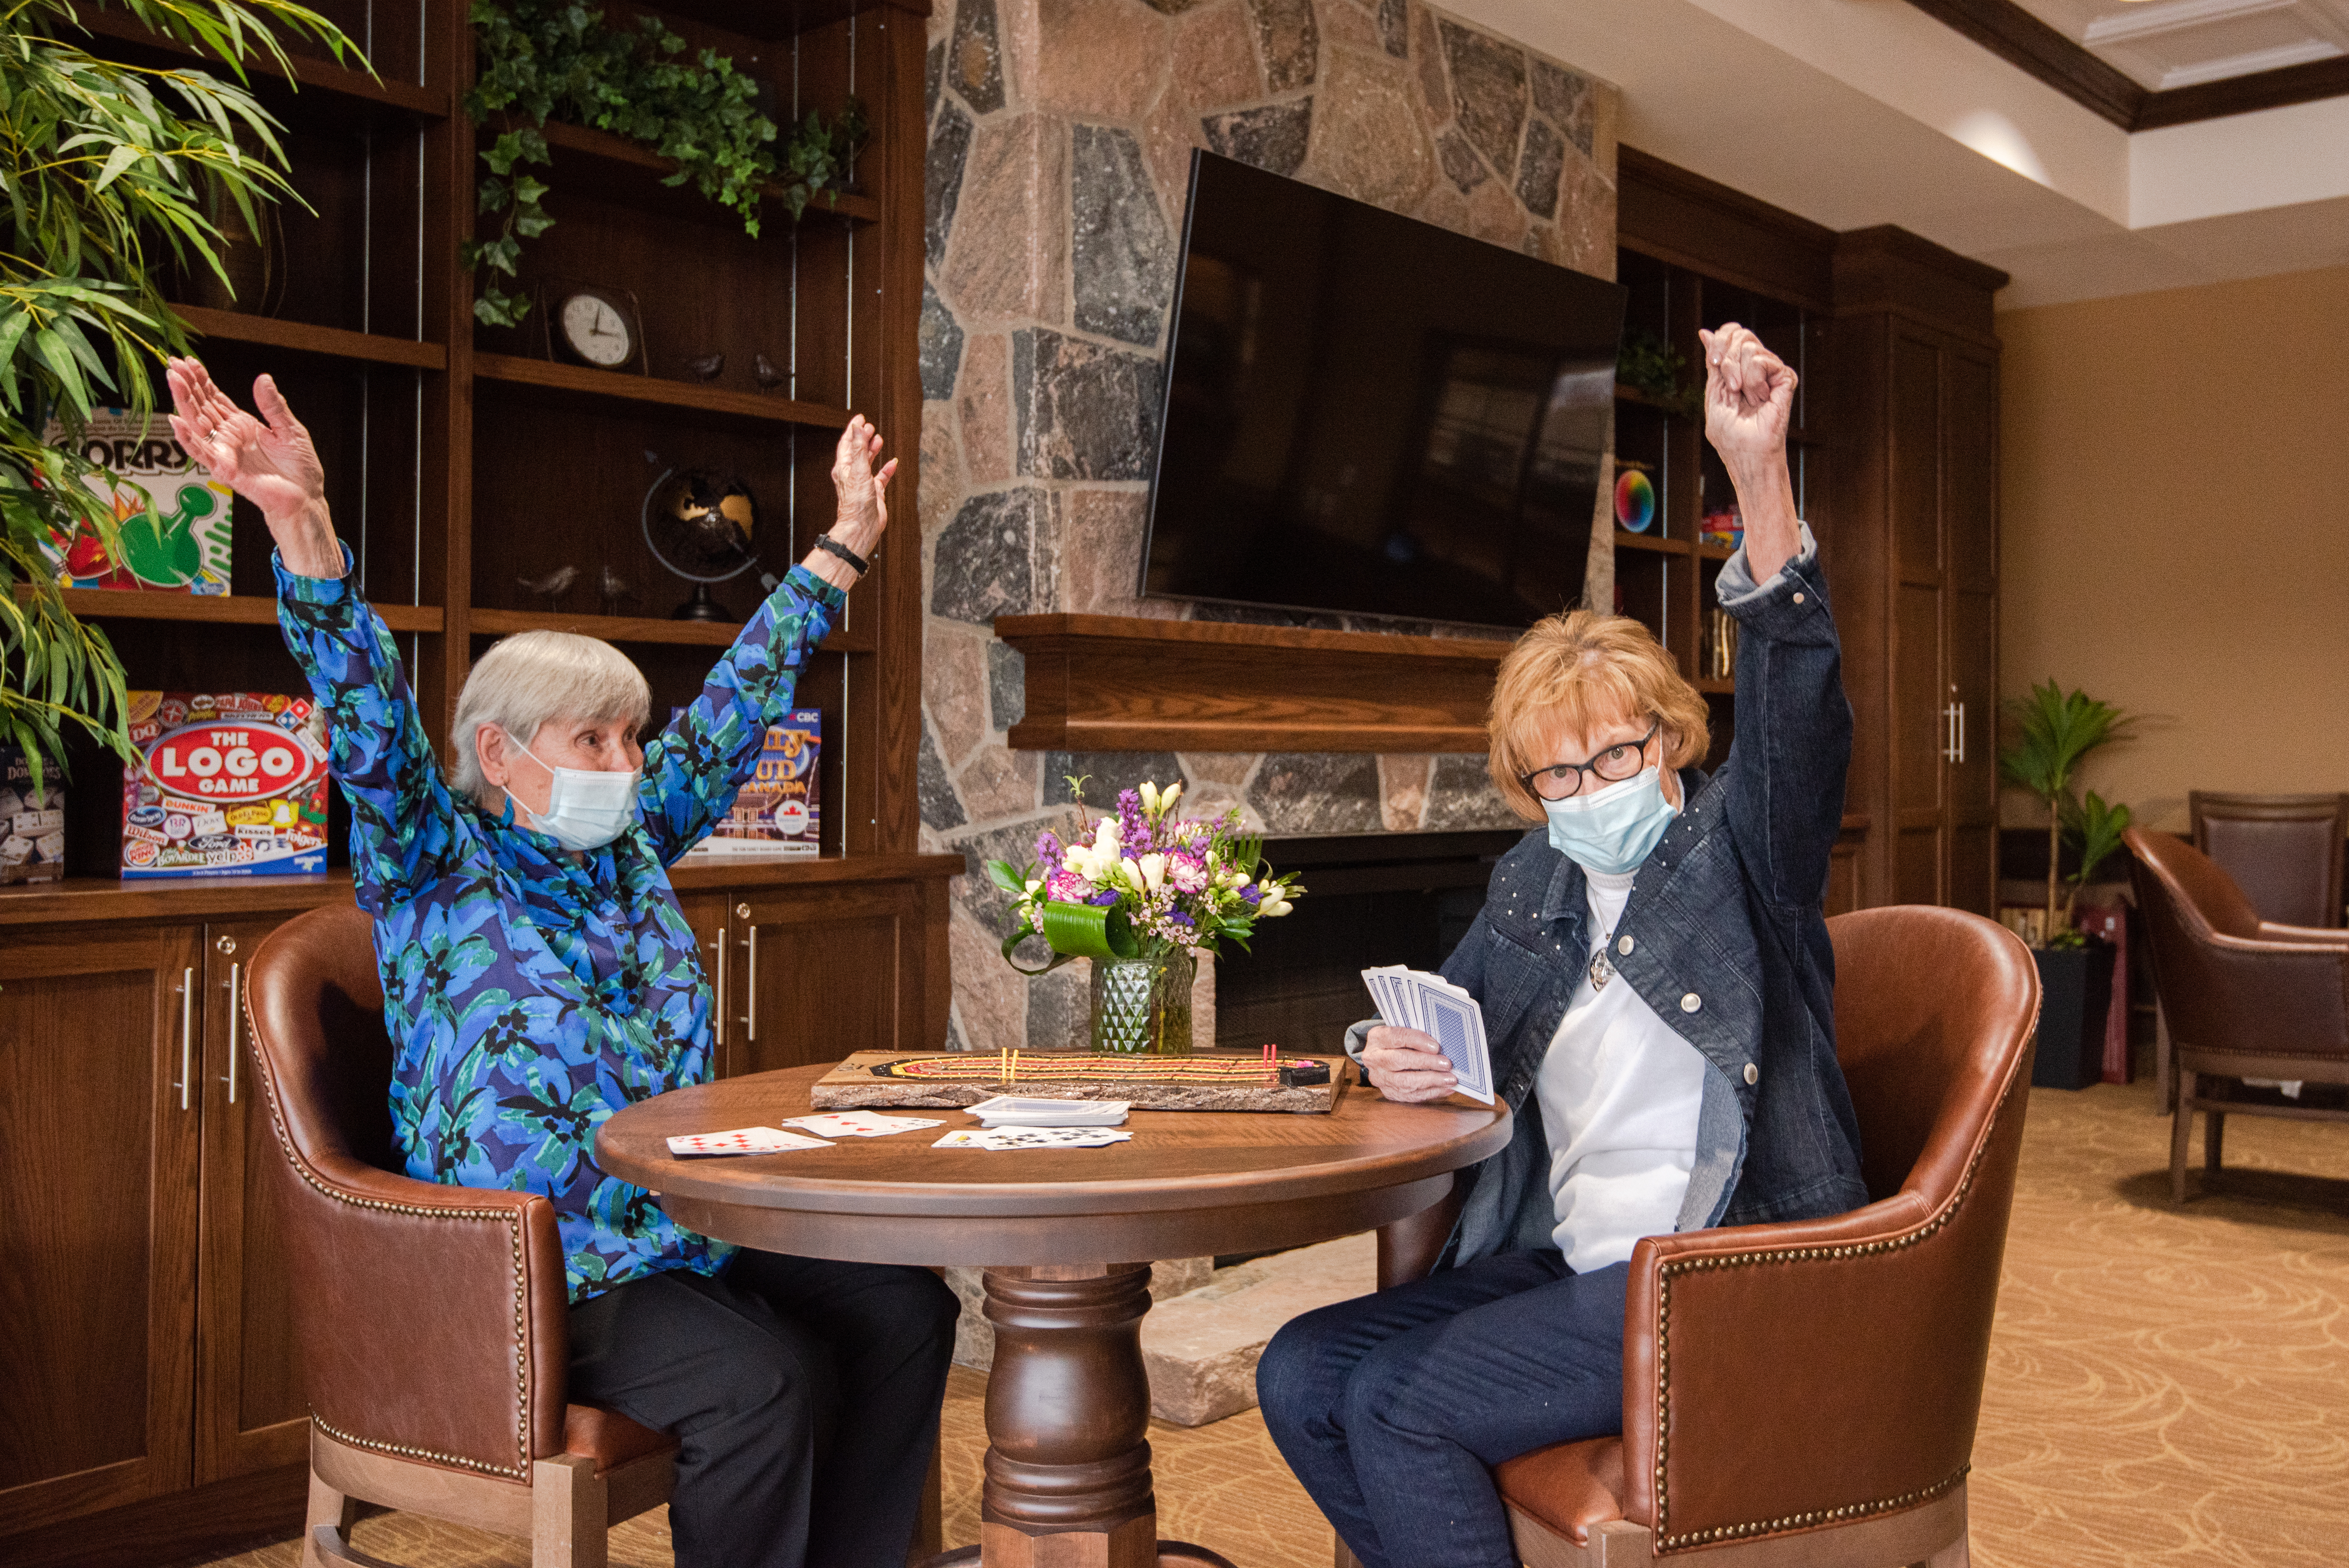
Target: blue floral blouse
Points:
(530, 996)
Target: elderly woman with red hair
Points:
(1655, 977)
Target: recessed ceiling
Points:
(2164, 45)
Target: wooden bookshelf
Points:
(462, 464)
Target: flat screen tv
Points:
(1365, 414)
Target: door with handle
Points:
(251, 1413)
(100, 1038)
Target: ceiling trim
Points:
(2024, 41)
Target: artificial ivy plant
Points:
(559, 59)
(110, 170)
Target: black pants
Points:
(804, 1394)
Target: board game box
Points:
(229, 784)
(779, 810)
(32, 821)
(183, 549)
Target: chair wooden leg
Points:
(332, 1511)
(568, 1526)
(2165, 1059)
(2214, 1133)
(2181, 1128)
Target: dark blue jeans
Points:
(1391, 1408)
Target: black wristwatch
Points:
(825, 541)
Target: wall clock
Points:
(594, 327)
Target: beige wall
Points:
(2174, 532)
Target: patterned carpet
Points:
(2167, 1386)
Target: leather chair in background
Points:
(2242, 996)
(433, 1320)
(1808, 1393)
(2282, 850)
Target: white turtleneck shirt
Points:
(1619, 1092)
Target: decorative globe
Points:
(702, 521)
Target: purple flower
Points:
(1108, 895)
(1048, 848)
(1251, 894)
(1179, 918)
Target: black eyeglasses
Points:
(1563, 781)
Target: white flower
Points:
(1034, 885)
(1275, 906)
(1132, 872)
(1154, 871)
(1149, 793)
(1166, 801)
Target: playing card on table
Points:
(859, 1124)
(741, 1140)
(1014, 1110)
(1034, 1137)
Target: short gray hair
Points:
(534, 676)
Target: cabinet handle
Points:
(235, 1023)
(751, 992)
(718, 1004)
(187, 1034)
(1961, 732)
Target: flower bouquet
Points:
(1140, 892)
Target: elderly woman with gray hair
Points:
(538, 974)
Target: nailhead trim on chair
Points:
(521, 1469)
(1666, 1541)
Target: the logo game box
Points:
(778, 811)
(229, 784)
(32, 821)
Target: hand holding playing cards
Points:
(1406, 1066)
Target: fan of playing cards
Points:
(1415, 999)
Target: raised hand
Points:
(1749, 395)
(270, 461)
(1749, 401)
(862, 493)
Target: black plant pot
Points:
(2076, 991)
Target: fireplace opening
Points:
(1370, 898)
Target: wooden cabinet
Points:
(250, 1411)
(1896, 465)
(148, 1371)
(100, 1045)
(1918, 383)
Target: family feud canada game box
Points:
(229, 784)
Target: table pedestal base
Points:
(1068, 1416)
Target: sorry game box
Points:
(181, 548)
(229, 784)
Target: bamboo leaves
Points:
(108, 174)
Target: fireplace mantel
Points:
(1111, 683)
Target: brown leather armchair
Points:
(432, 1320)
(2242, 996)
(1806, 1393)
(2282, 850)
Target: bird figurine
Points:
(706, 367)
(764, 369)
(553, 586)
(612, 588)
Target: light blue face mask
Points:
(584, 810)
(1613, 830)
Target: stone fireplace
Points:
(1060, 140)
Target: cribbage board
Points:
(1195, 1082)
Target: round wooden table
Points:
(1068, 1403)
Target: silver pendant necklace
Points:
(1601, 970)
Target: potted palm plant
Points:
(2055, 731)
(114, 171)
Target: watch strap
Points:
(826, 543)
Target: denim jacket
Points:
(1723, 935)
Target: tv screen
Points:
(1367, 414)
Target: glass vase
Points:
(1143, 1004)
